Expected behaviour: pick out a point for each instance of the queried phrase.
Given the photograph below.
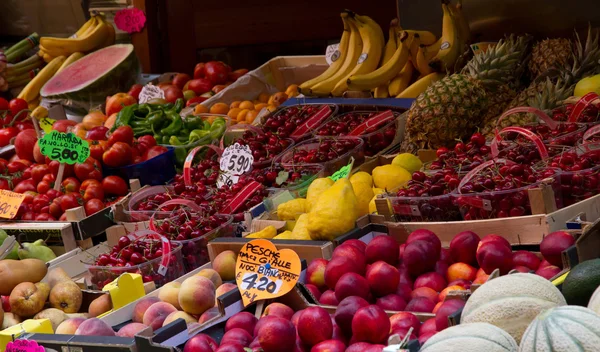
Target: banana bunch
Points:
(96, 33)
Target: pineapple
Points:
(453, 107)
(550, 53)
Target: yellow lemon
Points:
(362, 176)
(315, 189)
(267, 232)
(408, 161)
(290, 210)
(285, 235)
(300, 231)
(364, 194)
(587, 85)
(334, 213)
(390, 177)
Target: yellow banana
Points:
(422, 63)
(381, 91)
(94, 23)
(414, 47)
(420, 85)
(337, 64)
(91, 42)
(427, 38)
(450, 48)
(47, 57)
(463, 24)
(112, 35)
(34, 104)
(32, 89)
(39, 113)
(355, 47)
(84, 28)
(373, 43)
(386, 72)
(399, 83)
(71, 59)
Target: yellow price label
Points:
(10, 203)
(46, 124)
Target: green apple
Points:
(188, 94)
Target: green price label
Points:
(343, 172)
(64, 147)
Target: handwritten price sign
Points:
(236, 159)
(64, 147)
(10, 203)
(263, 272)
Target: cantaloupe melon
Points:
(475, 337)
(563, 329)
(594, 303)
(511, 302)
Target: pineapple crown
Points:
(550, 94)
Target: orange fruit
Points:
(200, 109)
(263, 97)
(247, 104)
(241, 116)
(461, 271)
(259, 107)
(219, 108)
(292, 90)
(271, 107)
(235, 104)
(278, 98)
(233, 113)
(445, 291)
(251, 115)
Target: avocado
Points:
(581, 282)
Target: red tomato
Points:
(70, 185)
(117, 102)
(6, 134)
(148, 140)
(39, 202)
(200, 85)
(55, 165)
(55, 209)
(63, 125)
(29, 195)
(97, 148)
(93, 192)
(135, 90)
(195, 100)
(52, 193)
(28, 216)
(24, 125)
(45, 217)
(122, 134)
(90, 183)
(154, 152)
(90, 169)
(173, 93)
(180, 80)
(70, 201)
(3, 104)
(50, 178)
(93, 206)
(114, 185)
(119, 154)
(24, 186)
(38, 172)
(3, 165)
(97, 133)
(216, 72)
(199, 70)
(16, 166)
(4, 184)
(43, 187)
(17, 105)
(233, 76)
(24, 144)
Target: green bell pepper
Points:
(180, 151)
(175, 126)
(124, 116)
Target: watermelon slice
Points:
(95, 76)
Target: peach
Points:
(404, 291)
(329, 346)
(131, 329)
(314, 290)
(223, 289)
(200, 343)
(427, 326)
(441, 267)
(207, 315)
(339, 266)
(480, 272)
(405, 277)
(382, 248)
(370, 324)
(548, 272)
(404, 320)
(426, 235)
(554, 244)
(241, 320)
(463, 247)
(212, 275)
(315, 273)
(277, 335)
(459, 271)
(352, 284)
(196, 295)
(351, 252)
(444, 293)
(445, 256)
(423, 338)
(180, 315)
(382, 278)
(69, 326)
(493, 238)
(493, 255)
(94, 327)
(403, 332)
(328, 298)
(279, 310)
(357, 243)
(425, 292)
(141, 307)
(314, 326)
(237, 335)
(526, 259)
(262, 321)
(157, 313)
(448, 308)
(420, 304)
(230, 347)
(521, 269)
(460, 282)
(170, 293)
(437, 307)
(224, 264)
(419, 257)
(346, 310)
(432, 280)
(391, 302)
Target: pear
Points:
(36, 250)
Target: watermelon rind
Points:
(68, 83)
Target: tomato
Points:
(44, 217)
(97, 133)
(39, 202)
(38, 172)
(117, 102)
(90, 183)
(114, 185)
(93, 119)
(3, 104)
(52, 194)
(28, 216)
(195, 100)
(70, 185)
(93, 192)
(24, 125)
(17, 105)
(63, 217)
(148, 140)
(233, 76)
(200, 70)
(217, 72)
(6, 134)
(37, 154)
(173, 93)
(25, 185)
(16, 166)
(155, 151)
(43, 187)
(200, 85)
(55, 209)
(180, 80)
(24, 143)
(97, 148)
(63, 125)
(121, 134)
(135, 90)
(70, 201)
(50, 178)
(138, 149)
(93, 206)
(4, 184)
(91, 168)
(29, 195)
(3, 165)
(119, 154)
(68, 171)
(80, 131)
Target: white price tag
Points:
(149, 92)
(227, 179)
(237, 159)
(332, 54)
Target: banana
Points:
(95, 23)
(89, 23)
(373, 43)
(422, 62)
(399, 83)
(71, 59)
(39, 113)
(450, 48)
(427, 38)
(337, 64)
(386, 72)
(463, 24)
(420, 85)
(381, 91)
(414, 48)
(32, 89)
(355, 47)
(112, 35)
(89, 43)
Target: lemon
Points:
(334, 213)
(315, 189)
(300, 231)
(291, 209)
(408, 161)
(362, 176)
(267, 232)
(587, 85)
(286, 235)
(364, 194)
(390, 177)
(377, 191)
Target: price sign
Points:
(24, 346)
(343, 172)
(227, 179)
(149, 92)
(10, 203)
(263, 272)
(64, 147)
(46, 124)
(236, 159)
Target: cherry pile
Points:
(568, 133)
(464, 156)
(591, 114)
(321, 150)
(222, 198)
(264, 146)
(285, 121)
(580, 179)
(278, 176)
(142, 256)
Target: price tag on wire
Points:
(227, 179)
(149, 92)
(10, 203)
(64, 147)
(237, 159)
(263, 272)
